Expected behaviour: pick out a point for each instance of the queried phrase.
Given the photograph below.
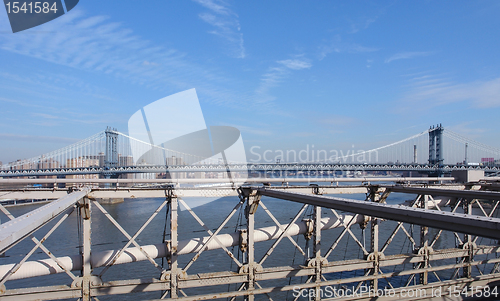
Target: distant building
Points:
(175, 161)
(488, 161)
(48, 163)
(125, 160)
(79, 162)
(82, 162)
(101, 158)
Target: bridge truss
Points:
(274, 168)
(451, 250)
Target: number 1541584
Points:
(31, 7)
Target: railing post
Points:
(424, 249)
(374, 246)
(468, 244)
(174, 273)
(252, 204)
(85, 213)
(317, 250)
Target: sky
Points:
(287, 74)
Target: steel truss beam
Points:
(464, 223)
(252, 167)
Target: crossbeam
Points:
(17, 229)
(475, 225)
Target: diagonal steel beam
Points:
(475, 225)
(212, 235)
(282, 229)
(19, 264)
(41, 246)
(19, 228)
(131, 239)
(283, 234)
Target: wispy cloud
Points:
(277, 74)
(91, 43)
(226, 24)
(51, 84)
(361, 21)
(336, 120)
(427, 91)
(46, 116)
(97, 44)
(304, 134)
(17, 102)
(469, 129)
(216, 7)
(31, 138)
(361, 24)
(253, 130)
(337, 45)
(296, 64)
(415, 128)
(272, 78)
(369, 63)
(408, 55)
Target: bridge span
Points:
(109, 154)
(272, 240)
(274, 168)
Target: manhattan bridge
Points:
(109, 153)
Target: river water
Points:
(132, 213)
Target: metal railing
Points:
(317, 254)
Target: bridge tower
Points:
(436, 145)
(111, 156)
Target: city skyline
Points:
(285, 74)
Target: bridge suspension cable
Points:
(67, 156)
(399, 148)
(157, 153)
(463, 150)
(91, 151)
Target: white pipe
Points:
(98, 259)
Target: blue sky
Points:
(286, 73)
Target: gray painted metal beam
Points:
(124, 192)
(469, 224)
(253, 167)
(159, 192)
(467, 194)
(15, 230)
